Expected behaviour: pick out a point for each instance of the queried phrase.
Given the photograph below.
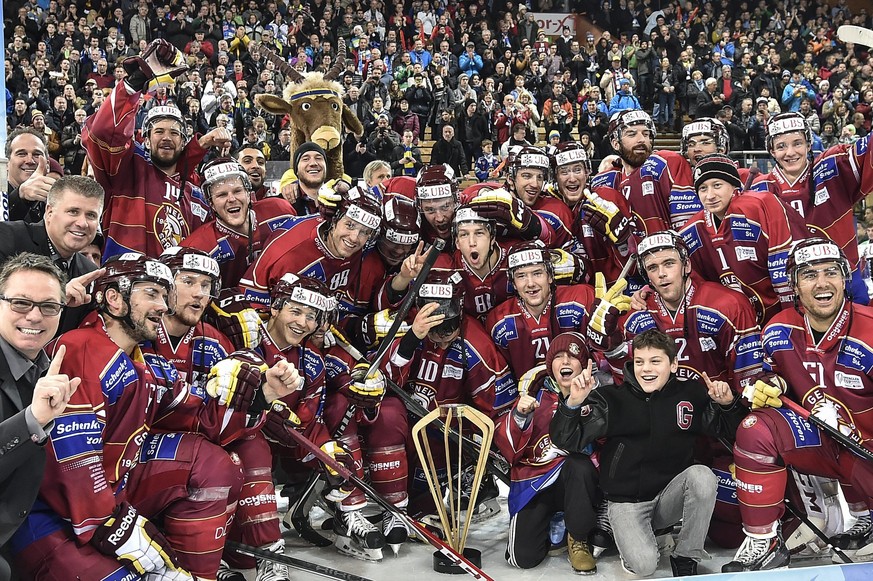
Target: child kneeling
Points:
(647, 474)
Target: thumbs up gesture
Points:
(53, 391)
(37, 186)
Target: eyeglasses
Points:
(24, 306)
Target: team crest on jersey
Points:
(749, 421)
(169, 225)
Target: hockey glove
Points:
(375, 326)
(278, 420)
(342, 456)
(532, 380)
(158, 66)
(235, 380)
(330, 195)
(366, 391)
(605, 218)
(235, 317)
(504, 208)
(135, 542)
(566, 266)
(608, 307)
(766, 391)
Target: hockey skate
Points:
(270, 570)
(759, 553)
(601, 535)
(860, 535)
(486, 502)
(357, 537)
(395, 530)
(225, 573)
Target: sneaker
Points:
(856, 537)
(225, 573)
(683, 566)
(271, 570)
(759, 554)
(580, 557)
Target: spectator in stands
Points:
(624, 99)
(448, 150)
(472, 129)
(795, 91)
(383, 139)
(71, 144)
(406, 120)
(406, 157)
(666, 92)
(709, 101)
(420, 97)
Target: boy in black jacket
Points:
(650, 423)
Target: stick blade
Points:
(855, 34)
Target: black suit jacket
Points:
(17, 237)
(21, 460)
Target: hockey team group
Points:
(670, 339)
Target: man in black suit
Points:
(73, 207)
(31, 300)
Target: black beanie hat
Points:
(305, 147)
(716, 165)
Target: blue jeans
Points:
(689, 497)
(666, 103)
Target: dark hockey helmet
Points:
(568, 153)
(811, 251)
(361, 207)
(526, 254)
(220, 169)
(786, 123)
(401, 222)
(435, 182)
(663, 240)
(629, 117)
(530, 157)
(307, 291)
(179, 258)
(466, 214)
(446, 288)
(160, 112)
(706, 126)
(125, 270)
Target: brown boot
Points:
(580, 557)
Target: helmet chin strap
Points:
(125, 318)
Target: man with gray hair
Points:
(710, 100)
(72, 215)
(29, 183)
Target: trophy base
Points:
(442, 564)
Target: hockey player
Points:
(151, 204)
(661, 194)
(523, 326)
(330, 251)
(632, 135)
(545, 480)
(111, 443)
(436, 196)
(255, 165)
(816, 355)
(823, 192)
(300, 305)
(650, 422)
(448, 358)
(401, 230)
(240, 226)
(520, 209)
(193, 347)
(715, 328)
(742, 240)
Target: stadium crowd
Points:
(176, 332)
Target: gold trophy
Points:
(462, 417)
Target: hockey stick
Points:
(753, 173)
(299, 513)
(802, 517)
(413, 406)
(429, 260)
(313, 568)
(441, 546)
(848, 441)
(855, 34)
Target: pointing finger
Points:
(55, 366)
(90, 277)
